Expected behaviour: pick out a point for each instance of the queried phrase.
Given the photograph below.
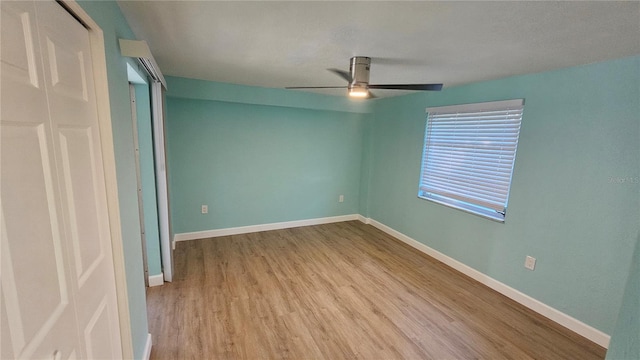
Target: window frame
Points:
(437, 193)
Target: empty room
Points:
(320, 180)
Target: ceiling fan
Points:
(358, 79)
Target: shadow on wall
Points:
(625, 342)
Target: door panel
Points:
(21, 67)
(66, 54)
(58, 287)
(35, 293)
(97, 331)
(35, 267)
(68, 77)
(76, 147)
(6, 350)
(74, 122)
(20, 60)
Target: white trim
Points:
(363, 219)
(543, 309)
(147, 348)
(140, 49)
(98, 55)
(156, 280)
(262, 227)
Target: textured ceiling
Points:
(278, 44)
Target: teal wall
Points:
(579, 130)
(256, 164)
(365, 172)
(625, 343)
(108, 16)
(148, 178)
(254, 95)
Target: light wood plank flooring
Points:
(339, 291)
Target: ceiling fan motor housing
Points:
(359, 71)
(358, 78)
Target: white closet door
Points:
(58, 287)
(37, 304)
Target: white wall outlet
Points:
(205, 209)
(530, 263)
(341, 198)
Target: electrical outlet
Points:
(530, 263)
(341, 198)
(205, 209)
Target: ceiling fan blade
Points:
(315, 87)
(343, 74)
(428, 87)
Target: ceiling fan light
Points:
(358, 93)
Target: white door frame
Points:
(136, 149)
(98, 56)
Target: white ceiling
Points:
(278, 44)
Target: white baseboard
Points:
(156, 280)
(363, 219)
(147, 348)
(545, 310)
(262, 227)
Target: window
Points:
(468, 156)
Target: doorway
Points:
(145, 169)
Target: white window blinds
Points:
(469, 154)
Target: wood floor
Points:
(339, 291)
